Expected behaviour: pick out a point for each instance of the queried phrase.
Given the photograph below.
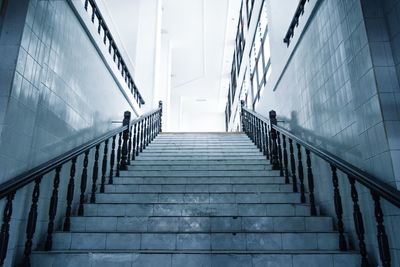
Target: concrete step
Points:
(192, 162)
(199, 209)
(196, 153)
(192, 259)
(196, 241)
(199, 173)
(198, 180)
(200, 157)
(205, 188)
(186, 198)
(201, 224)
(172, 148)
(215, 167)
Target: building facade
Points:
(331, 74)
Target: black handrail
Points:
(295, 21)
(29, 176)
(122, 66)
(16, 183)
(373, 183)
(127, 141)
(272, 140)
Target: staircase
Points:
(198, 200)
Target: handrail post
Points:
(160, 105)
(273, 120)
(125, 137)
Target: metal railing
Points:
(127, 142)
(273, 140)
(295, 21)
(113, 49)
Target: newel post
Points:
(274, 147)
(242, 115)
(125, 139)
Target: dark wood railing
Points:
(273, 140)
(109, 40)
(295, 21)
(145, 129)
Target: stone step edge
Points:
(196, 233)
(214, 252)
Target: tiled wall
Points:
(56, 93)
(62, 93)
(391, 12)
(339, 90)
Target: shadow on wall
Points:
(328, 144)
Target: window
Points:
(260, 57)
(233, 83)
(240, 41)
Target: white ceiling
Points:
(201, 37)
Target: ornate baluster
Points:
(146, 132)
(310, 178)
(125, 137)
(130, 145)
(259, 135)
(112, 161)
(99, 27)
(142, 135)
(270, 143)
(53, 210)
(149, 130)
(274, 148)
(285, 160)
(280, 154)
(253, 128)
(301, 174)
(338, 209)
(266, 141)
(70, 197)
(383, 241)
(83, 184)
(31, 224)
(93, 13)
(118, 155)
(5, 227)
(153, 127)
(257, 130)
(105, 35)
(293, 166)
(138, 138)
(358, 223)
(134, 142)
(104, 167)
(95, 175)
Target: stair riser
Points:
(203, 188)
(198, 180)
(197, 173)
(221, 167)
(201, 224)
(194, 260)
(179, 157)
(197, 210)
(243, 162)
(197, 241)
(170, 198)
